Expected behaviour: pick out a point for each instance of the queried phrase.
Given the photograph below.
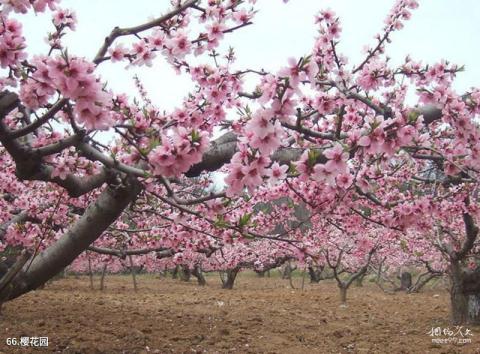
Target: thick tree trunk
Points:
(175, 272)
(5, 280)
(464, 295)
(197, 273)
(97, 217)
(458, 299)
(315, 274)
(230, 280)
(185, 273)
(405, 281)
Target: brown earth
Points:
(261, 315)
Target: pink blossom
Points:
(344, 181)
(117, 53)
(276, 173)
(337, 159)
(322, 174)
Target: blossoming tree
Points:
(338, 137)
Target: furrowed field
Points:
(261, 315)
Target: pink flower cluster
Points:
(65, 18)
(22, 6)
(262, 133)
(73, 78)
(12, 42)
(178, 152)
(329, 31)
(246, 169)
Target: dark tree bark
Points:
(359, 280)
(465, 284)
(422, 280)
(197, 273)
(405, 281)
(96, 219)
(175, 272)
(343, 293)
(343, 285)
(102, 277)
(6, 280)
(230, 278)
(465, 295)
(185, 273)
(260, 273)
(5, 264)
(315, 273)
(133, 272)
(288, 270)
(90, 273)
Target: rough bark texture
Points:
(343, 294)
(5, 287)
(5, 264)
(133, 272)
(465, 286)
(175, 272)
(97, 217)
(288, 270)
(230, 279)
(90, 273)
(405, 281)
(185, 273)
(359, 281)
(197, 273)
(464, 295)
(102, 277)
(315, 274)
(422, 280)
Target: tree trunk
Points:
(343, 294)
(359, 280)
(132, 270)
(197, 273)
(405, 281)
(315, 274)
(422, 280)
(97, 218)
(260, 273)
(102, 278)
(5, 280)
(464, 295)
(303, 278)
(288, 270)
(185, 273)
(230, 280)
(90, 273)
(175, 272)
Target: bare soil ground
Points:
(261, 315)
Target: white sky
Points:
(438, 29)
